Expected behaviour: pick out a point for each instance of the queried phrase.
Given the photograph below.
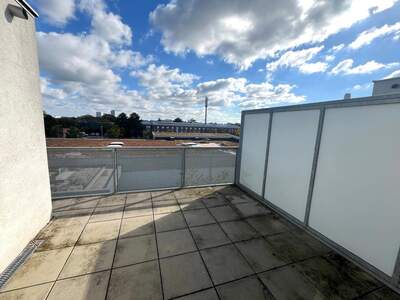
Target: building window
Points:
(395, 86)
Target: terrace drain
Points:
(18, 261)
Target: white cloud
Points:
(368, 36)
(393, 74)
(337, 48)
(299, 59)
(346, 67)
(242, 32)
(57, 12)
(360, 87)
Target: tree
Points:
(178, 120)
(114, 132)
(135, 126)
(73, 132)
(49, 123)
(122, 122)
(192, 120)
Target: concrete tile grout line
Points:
(237, 249)
(158, 254)
(73, 247)
(115, 250)
(201, 257)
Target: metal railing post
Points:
(271, 114)
(183, 172)
(314, 165)
(115, 171)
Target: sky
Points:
(162, 58)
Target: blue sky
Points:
(161, 58)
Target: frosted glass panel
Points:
(356, 195)
(290, 160)
(254, 144)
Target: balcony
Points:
(195, 243)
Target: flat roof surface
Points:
(199, 243)
(60, 142)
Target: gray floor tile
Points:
(175, 242)
(112, 200)
(239, 197)
(138, 198)
(171, 221)
(225, 264)
(131, 212)
(290, 247)
(61, 233)
(224, 213)
(37, 292)
(260, 254)
(99, 232)
(362, 281)
(139, 205)
(252, 209)
(287, 283)
(62, 214)
(162, 195)
(86, 287)
(238, 230)
(166, 209)
(183, 274)
(135, 250)
(75, 203)
(209, 294)
(191, 205)
(89, 258)
(312, 242)
(214, 200)
(107, 213)
(198, 217)
(268, 224)
(209, 236)
(329, 279)
(41, 267)
(136, 226)
(244, 289)
(141, 281)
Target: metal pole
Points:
(183, 172)
(206, 107)
(314, 165)
(396, 272)
(267, 154)
(239, 150)
(115, 171)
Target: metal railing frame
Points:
(392, 281)
(115, 151)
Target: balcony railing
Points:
(93, 171)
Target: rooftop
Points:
(60, 142)
(198, 243)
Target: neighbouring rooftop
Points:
(81, 142)
(199, 243)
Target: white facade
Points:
(25, 201)
(386, 86)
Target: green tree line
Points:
(107, 125)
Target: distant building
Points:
(178, 127)
(195, 136)
(113, 113)
(98, 114)
(387, 86)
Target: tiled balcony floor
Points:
(204, 243)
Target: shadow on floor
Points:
(199, 243)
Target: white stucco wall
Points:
(25, 201)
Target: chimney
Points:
(347, 96)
